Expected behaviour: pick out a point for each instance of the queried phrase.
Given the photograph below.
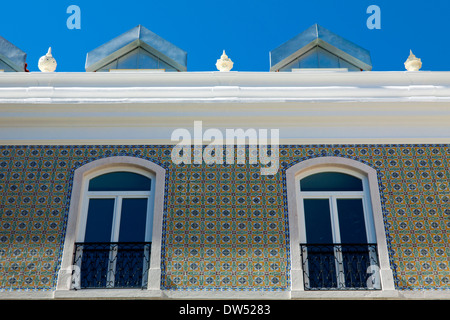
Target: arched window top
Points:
(120, 181)
(331, 181)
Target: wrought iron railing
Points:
(111, 265)
(340, 266)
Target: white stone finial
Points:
(47, 63)
(413, 63)
(224, 63)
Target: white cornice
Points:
(307, 107)
(217, 87)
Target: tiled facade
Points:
(225, 226)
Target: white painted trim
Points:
(298, 123)
(333, 195)
(145, 108)
(296, 221)
(117, 195)
(74, 223)
(228, 295)
(182, 87)
(283, 142)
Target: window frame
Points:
(117, 195)
(332, 196)
(76, 222)
(297, 225)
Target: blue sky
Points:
(247, 29)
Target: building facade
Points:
(94, 205)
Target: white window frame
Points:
(76, 224)
(297, 224)
(332, 197)
(118, 196)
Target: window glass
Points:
(309, 59)
(318, 221)
(147, 60)
(331, 181)
(128, 61)
(349, 66)
(99, 220)
(165, 66)
(133, 220)
(5, 67)
(327, 59)
(351, 221)
(292, 65)
(112, 65)
(120, 181)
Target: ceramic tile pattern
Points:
(225, 226)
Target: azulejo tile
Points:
(225, 226)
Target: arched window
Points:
(339, 243)
(114, 240)
(338, 240)
(114, 228)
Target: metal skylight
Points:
(12, 59)
(138, 48)
(317, 47)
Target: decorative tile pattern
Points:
(225, 226)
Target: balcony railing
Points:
(340, 266)
(111, 265)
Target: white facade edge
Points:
(237, 87)
(105, 294)
(145, 108)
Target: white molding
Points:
(159, 142)
(298, 123)
(74, 222)
(307, 107)
(218, 87)
(295, 215)
(229, 295)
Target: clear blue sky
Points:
(247, 29)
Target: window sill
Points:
(108, 294)
(344, 294)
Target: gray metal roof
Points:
(12, 56)
(139, 36)
(317, 35)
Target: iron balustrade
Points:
(340, 266)
(111, 265)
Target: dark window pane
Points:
(351, 221)
(120, 181)
(331, 181)
(318, 221)
(99, 220)
(133, 220)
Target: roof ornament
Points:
(224, 63)
(413, 63)
(47, 63)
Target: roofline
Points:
(217, 87)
